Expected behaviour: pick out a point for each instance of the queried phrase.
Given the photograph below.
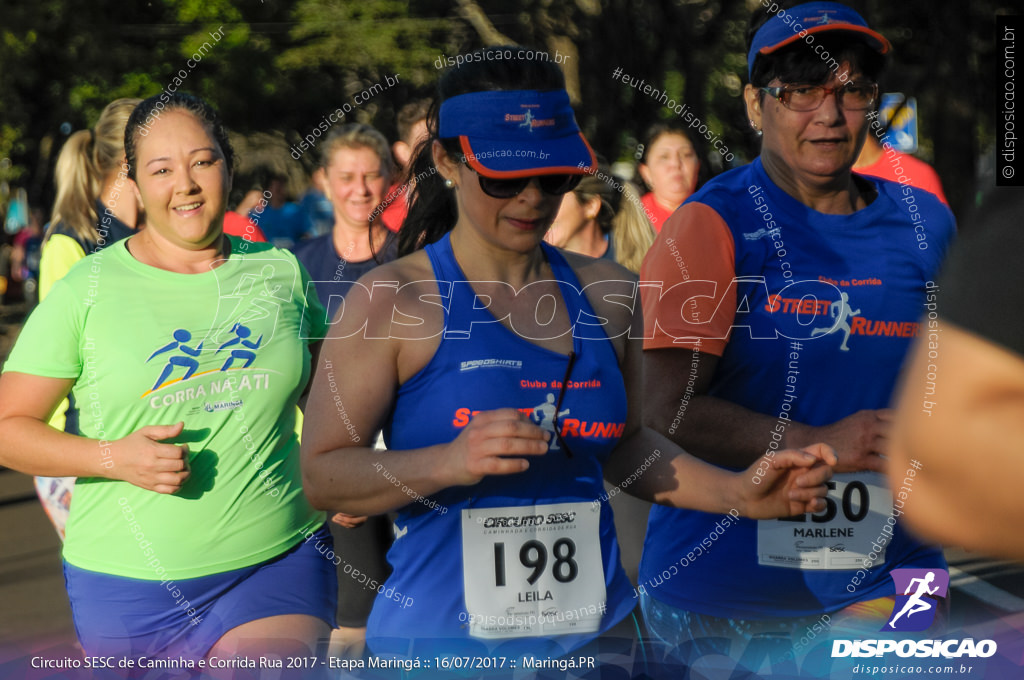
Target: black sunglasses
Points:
(553, 185)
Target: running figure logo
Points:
(188, 362)
(841, 312)
(528, 123)
(823, 19)
(240, 348)
(915, 609)
(545, 413)
(242, 334)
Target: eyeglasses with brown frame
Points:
(857, 96)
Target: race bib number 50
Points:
(839, 537)
(533, 570)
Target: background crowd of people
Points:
(223, 364)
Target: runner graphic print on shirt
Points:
(241, 337)
(544, 416)
(795, 310)
(172, 387)
(195, 360)
(181, 336)
(840, 312)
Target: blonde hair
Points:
(359, 136)
(620, 216)
(85, 160)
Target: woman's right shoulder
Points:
(411, 276)
(398, 302)
(408, 269)
(396, 291)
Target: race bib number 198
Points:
(533, 570)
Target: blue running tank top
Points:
(517, 564)
(828, 306)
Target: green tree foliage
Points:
(62, 61)
(280, 65)
(366, 39)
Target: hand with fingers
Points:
(348, 521)
(145, 460)
(494, 443)
(791, 482)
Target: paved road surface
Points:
(988, 595)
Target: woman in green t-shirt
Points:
(187, 351)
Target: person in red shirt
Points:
(669, 169)
(879, 159)
(242, 227)
(412, 129)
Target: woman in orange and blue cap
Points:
(814, 280)
(506, 378)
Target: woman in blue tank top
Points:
(506, 377)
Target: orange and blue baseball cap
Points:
(506, 134)
(796, 23)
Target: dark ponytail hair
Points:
(433, 211)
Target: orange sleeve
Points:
(685, 280)
(928, 179)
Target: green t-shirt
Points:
(225, 351)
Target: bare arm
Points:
(358, 377)
(725, 433)
(29, 445)
(966, 436)
(706, 426)
(791, 483)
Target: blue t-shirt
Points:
(283, 226)
(554, 516)
(319, 212)
(827, 307)
(332, 274)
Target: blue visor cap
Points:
(810, 18)
(517, 133)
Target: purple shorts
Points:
(127, 617)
